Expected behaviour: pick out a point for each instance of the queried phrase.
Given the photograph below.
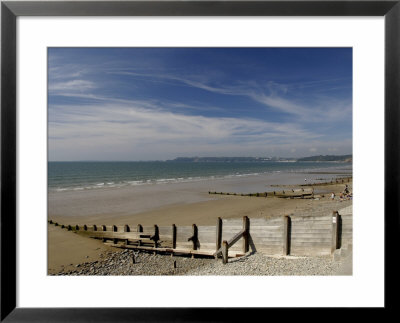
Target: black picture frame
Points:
(10, 10)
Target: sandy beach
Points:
(185, 203)
(178, 203)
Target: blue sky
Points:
(162, 103)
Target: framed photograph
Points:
(190, 152)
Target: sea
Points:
(75, 176)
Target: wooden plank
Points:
(232, 222)
(311, 240)
(232, 241)
(165, 237)
(184, 245)
(267, 235)
(277, 237)
(259, 222)
(207, 246)
(231, 230)
(277, 219)
(311, 236)
(271, 226)
(165, 230)
(324, 245)
(270, 251)
(236, 238)
(266, 229)
(307, 221)
(184, 230)
(309, 252)
(308, 218)
(347, 223)
(231, 235)
(348, 235)
(209, 237)
(206, 228)
(325, 230)
(310, 226)
(266, 238)
(148, 228)
(268, 243)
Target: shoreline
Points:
(125, 201)
(343, 170)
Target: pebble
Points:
(119, 263)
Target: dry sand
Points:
(67, 249)
(206, 212)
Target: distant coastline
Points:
(319, 158)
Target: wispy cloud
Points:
(111, 109)
(108, 127)
(272, 95)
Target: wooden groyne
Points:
(341, 180)
(289, 193)
(303, 193)
(286, 235)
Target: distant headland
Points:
(320, 158)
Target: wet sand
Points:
(147, 202)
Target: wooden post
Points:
(246, 234)
(156, 236)
(286, 234)
(104, 228)
(85, 227)
(77, 227)
(219, 235)
(94, 227)
(194, 240)
(114, 228)
(335, 231)
(126, 228)
(69, 228)
(224, 252)
(51, 221)
(173, 236)
(139, 228)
